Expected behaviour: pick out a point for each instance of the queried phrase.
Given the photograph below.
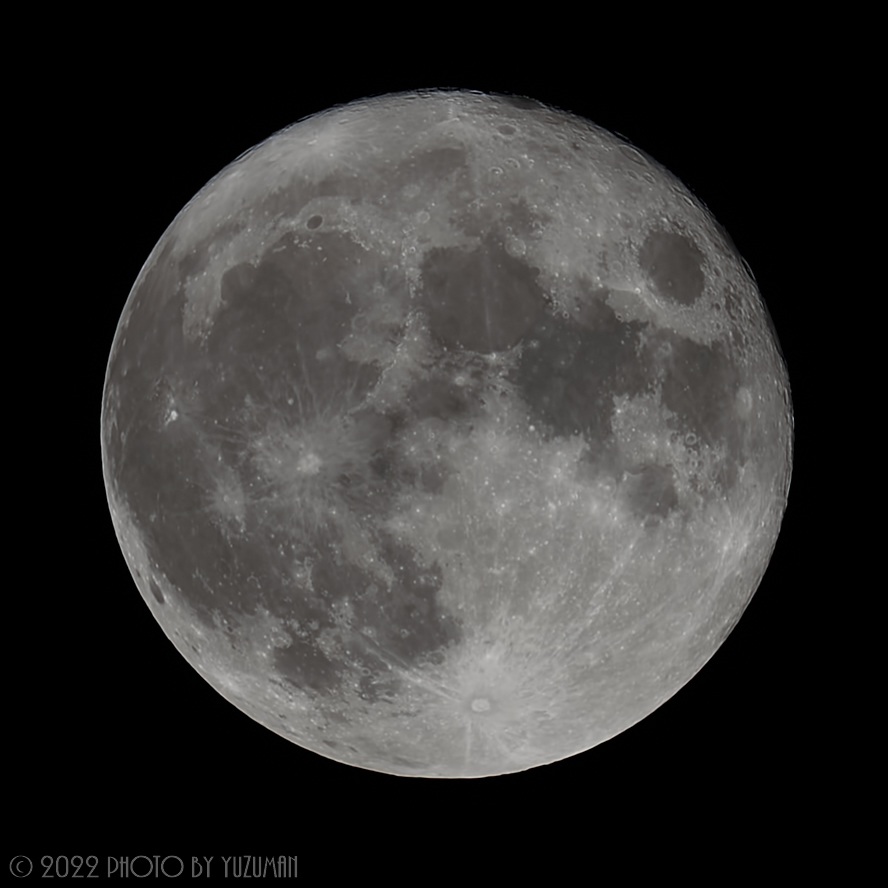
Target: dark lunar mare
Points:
(569, 373)
(269, 356)
(482, 300)
(674, 265)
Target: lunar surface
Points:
(445, 434)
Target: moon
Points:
(446, 434)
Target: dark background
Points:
(119, 747)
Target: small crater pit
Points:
(155, 591)
(480, 704)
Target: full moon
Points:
(446, 434)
